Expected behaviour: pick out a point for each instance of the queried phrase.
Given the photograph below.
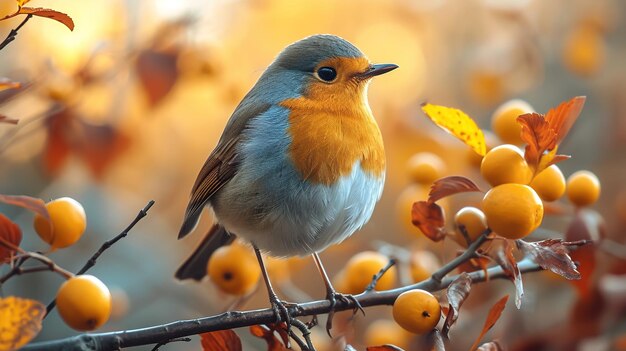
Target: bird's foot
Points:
(334, 297)
(281, 311)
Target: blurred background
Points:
(126, 108)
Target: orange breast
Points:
(332, 127)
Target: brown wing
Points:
(221, 165)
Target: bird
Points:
(300, 164)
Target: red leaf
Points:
(48, 13)
(267, 333)
(492, 318)
(158, 72)
(57, 149)
(503, 254)
(100, 146)
(30, 203)
(562, 118)
(384, 348)
(449, 186)
(428, 217)
(457, 292)
(491, 346)
(11, 233)
(539, 136)
(551, 254)
(5, 119)
(221, 340)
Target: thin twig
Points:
(380, 274)
(229, 320)
(467, 254)
(13, 32)
(92, 261)
(26, 255)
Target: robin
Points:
(300, 164)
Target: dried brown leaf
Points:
(30, 203)
(586, 225)
(449, 186)
(48, 13)
(221, 340)
(457, 292)
(429, 218)
(492, 318)
(11, 233)
(551, 254)
(435, 341)
(503, 255)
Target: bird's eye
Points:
(327, 74)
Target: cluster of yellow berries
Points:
(513, 208)
(83, 301)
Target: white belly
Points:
(283, 216)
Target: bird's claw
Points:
(333, 296)
(281, 311)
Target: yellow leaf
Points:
(21, 3)
(20, 321)
(458, 124)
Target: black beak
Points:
(376, 70)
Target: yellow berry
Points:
(234, 269)
(417, 311)
(68, 223)
(486, 86)
(425, 168)
(473, 221)
(549, 184)
(84, 302)
(513, 210)
(404, 203)
(362, 267)
(504, 121)
(505, 164)
(383, 331)
(583, 188)
(423, 265)
(584, 50)
(491, 141)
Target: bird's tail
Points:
(196, 265)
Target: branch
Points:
(92, 261)
(229, 320)
(13, 32)
(467, 254)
